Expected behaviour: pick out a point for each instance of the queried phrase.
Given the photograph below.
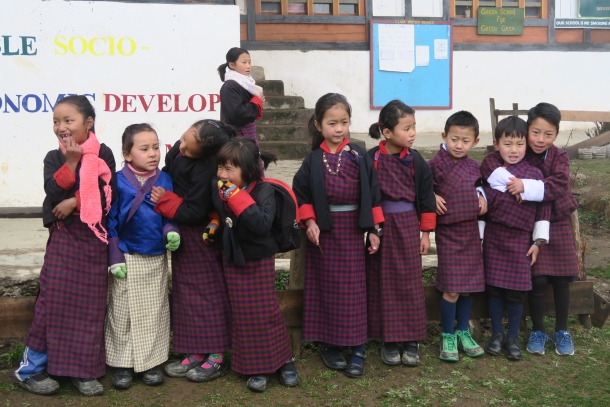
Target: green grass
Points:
(603, 272)
(15, 355)
(281, 280)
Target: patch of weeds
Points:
(603, 272)
(328, 375)
(7, 386)
(429, 275)
(281, 280)
(592, 219)
(15, 355)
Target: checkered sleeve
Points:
(556, 185)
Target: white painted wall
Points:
(570, 80)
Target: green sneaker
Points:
(449, 350)
(468, 345)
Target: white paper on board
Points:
(422, 55)
(441, 49)
(396, 47)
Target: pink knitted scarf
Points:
(92, 167)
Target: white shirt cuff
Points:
(482, 229)
(541, 231)
(533, 190)
(481, 191)
(499, 178)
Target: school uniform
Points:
(137, 321)
(238, 110)
(344, 205)
(508, 231)
(395, 291)
(69, 316)
(259, 337)
(201, 313)
(460, 262)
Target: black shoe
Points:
(355, 370)
(177, 369)
(88, 387)
(513, 350)
(332, 361)
(409, 355)
(153, 377)
(390, 354)
(39, 383)
(200, 374)
(288, 374)
(122, 378)
(258, 383)
(494, 345)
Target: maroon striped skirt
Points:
(558, 258)
(201, 312)
(395, 291)
(71, 305)
(260, 340)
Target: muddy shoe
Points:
(409, 355)
(88, 387)
(288, 374)
(201, 374)
(390, 354)
(179, 369)
(257, 383)
(332, 358)
(122, 379)
(153, 377)
(467, 344)
(40, 384)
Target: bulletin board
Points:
(411, 61)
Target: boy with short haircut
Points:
(557, 264)
(515, 231)
(459, 202)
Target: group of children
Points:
(211, 207)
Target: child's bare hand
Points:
(515, 186)
(533, 253)
(424, 243)
(440, 205)
(262, 98)
(482, 205)
(156, 194)
(313, 231)
(375, 242)
(518, 198)
(72, 151)
(65, 208)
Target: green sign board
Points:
(500, 21)
(594, 8)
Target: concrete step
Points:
(284, 102)
(274, 132)
(294, 117)
(272, 87)
(257, 73)
(287, 150)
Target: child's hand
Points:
(518, 198)
(262, 98)
(65, 208)
(515, 186)
(482, 205)
(440, 205)
(313, 231)
(424, 243)
(533, 253)
(375, 242)
(209, 234)
(118, 270)
(173, 241)
(156, 194)
(72, 151)
(226, 189)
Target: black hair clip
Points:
(213, 123)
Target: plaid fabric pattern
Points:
(201, 312)
(343, 188)
(249, 131)
(558, 258)
(395, 292)
(555, 166)
(137, 320)
(69, 315)
(456, 183)
(460, 261)
(260, 340)
(506, 265)
(395, 178)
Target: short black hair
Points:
(131, 131)
(243, 153)
(213, 134)
(82, 105)
(545, 111)
(324, 104)
(463, 119)
(389, 117)
(511, 126)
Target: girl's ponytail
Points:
(267, 158)
(375, 131)
(222, 70)
(316, 136)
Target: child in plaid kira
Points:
(459, 202)
(338, 196)
(201, 312)
(512, 225)
(557, 264)
(137, 320)
(395, 291)
(246, 206)
(67, 334)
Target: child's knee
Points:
(451, 297)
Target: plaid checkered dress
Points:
(558, 258)
(395, 292)
(249, 131)
(460, 261)
(71, 305)
(201, 312)
(335, 283)
(508, 233)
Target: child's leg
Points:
(496, 308)
(31, 374)
(514, 304)
(561, 337)
(355, 368)
(536, 302)
(465, 341)
(464, 304)
(449, 350)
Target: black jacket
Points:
(308, 186)
(250, 235)
(53, 161)
(235, 106)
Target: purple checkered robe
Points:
(508, 232)
(460, 261)
(395, 292)
(249, 132)
(334, 309)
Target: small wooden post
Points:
(580, 246)
(296, 281)
(515, 109)
(492, 113)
